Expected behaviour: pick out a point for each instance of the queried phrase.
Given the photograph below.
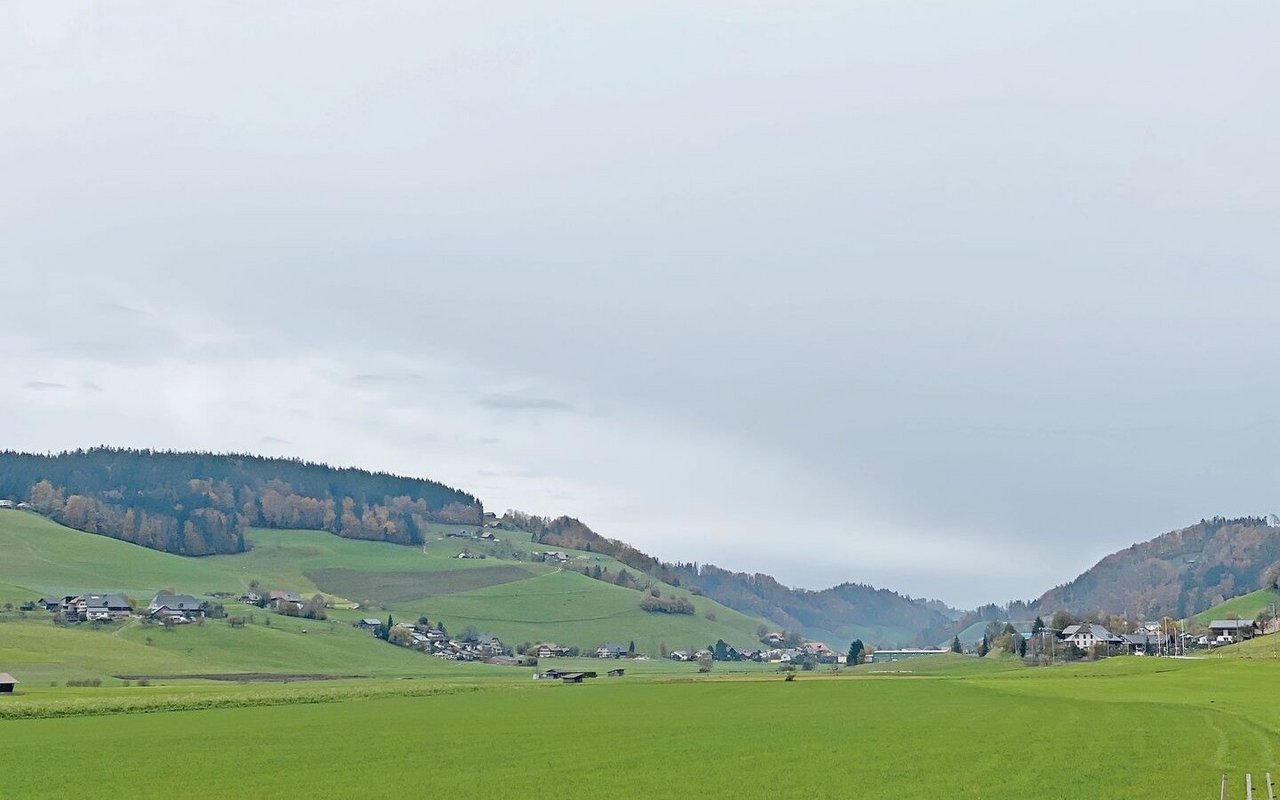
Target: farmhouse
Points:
(1232, 630)
(369, 624)
(50, 603)
(551, 650)
(7, 682)
(97, 607)
(6, 504)
(166, 604)
(556, 556)
(281, 600)
(616, 672)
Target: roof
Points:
(613, 647)
(7, 678)
(177, 602)
(1229, 624)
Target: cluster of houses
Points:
(109, 607)
(481, 536)
(433, 641)
(1152, 639)
(813, 652)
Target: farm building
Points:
(1232, 629)
(7, 682)
(881, 656)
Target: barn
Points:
(7, 682)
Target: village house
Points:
(1226, 631)
(680, 655)
(251, 598)
(556, 556)
(50, 603)
(7, 504)
(551, 650)
(369, 624)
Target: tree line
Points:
(201, 503)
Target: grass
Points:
(1129, 728)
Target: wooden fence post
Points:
(1222, 792)
(1248, 786)
(1271, 789)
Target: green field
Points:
(1121, 728)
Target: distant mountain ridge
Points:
(1176, 574)
(843, 613)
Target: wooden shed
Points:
(7, 682)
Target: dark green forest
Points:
(201, 503)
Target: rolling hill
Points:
(505, 593)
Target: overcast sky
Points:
(949, 298)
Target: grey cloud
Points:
(993, 273)
(46, 386)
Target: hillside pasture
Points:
(396, 589)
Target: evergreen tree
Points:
(632, 649)
(1037, 626)
(956, 647)
(855, 652)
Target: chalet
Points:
(680, 655)
(556, 556)
(250, 598)
(183, 605)
(1232, 630)
(616, 672)
(369, 624)
(551, 650)
(774, 639)
(487, 536)
(1090, 634)
(611, 650)
(50, 603)
(490, 520)
(7, 682)
(550, 675)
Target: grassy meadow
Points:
(1121, 728)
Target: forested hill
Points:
(1177, 574)
(200, 503)
(844, 612)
